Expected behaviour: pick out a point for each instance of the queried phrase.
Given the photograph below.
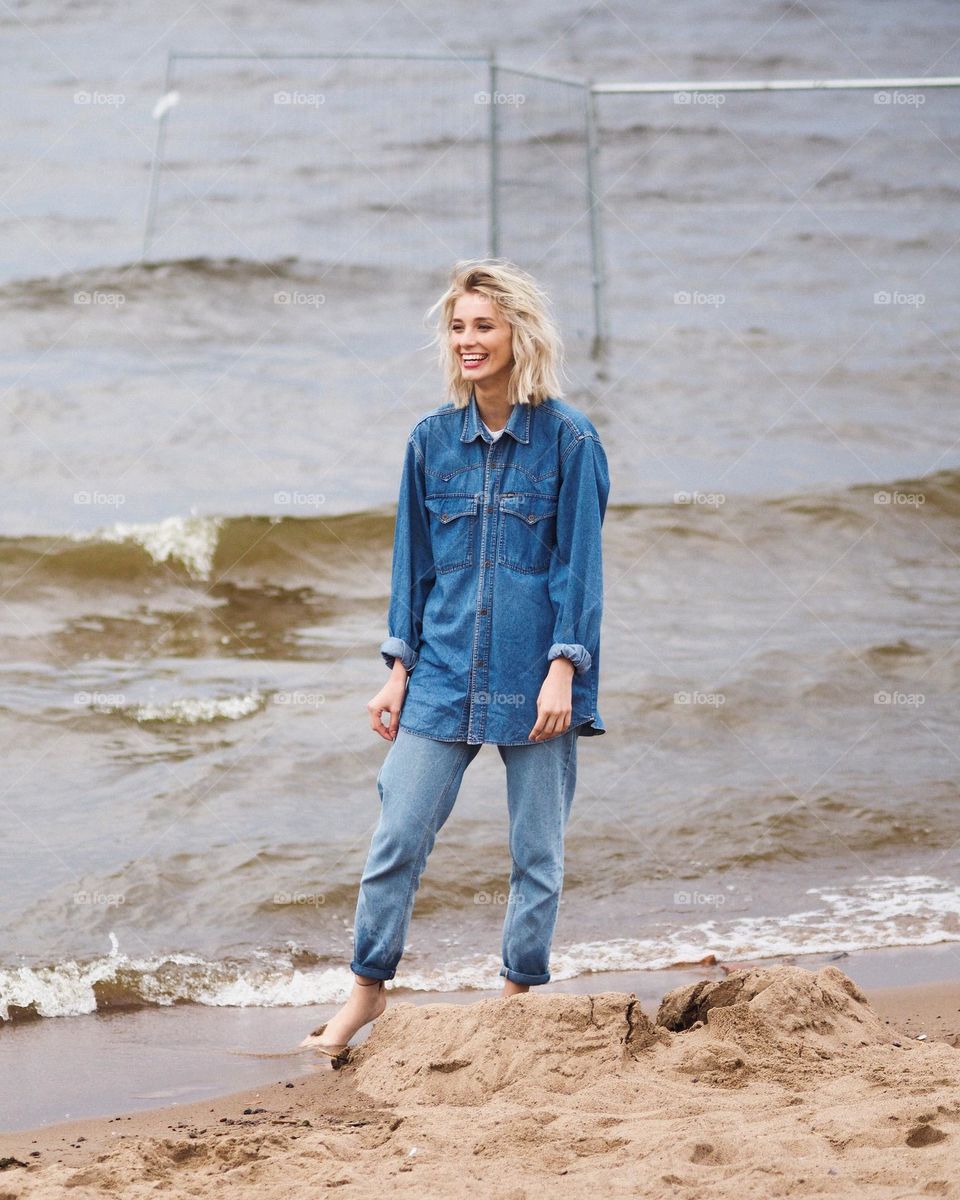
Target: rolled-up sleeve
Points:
(576, 570)
(413, 571)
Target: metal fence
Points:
(409, 160)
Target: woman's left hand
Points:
(554, 703)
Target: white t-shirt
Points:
(494, 433)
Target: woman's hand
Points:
(389, 699)
(555, 703)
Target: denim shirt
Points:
(497, 569)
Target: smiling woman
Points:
(494, 625)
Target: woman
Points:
(494, 626)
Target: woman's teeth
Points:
(473, 360)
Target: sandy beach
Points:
(772, 1081)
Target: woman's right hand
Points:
(389, 699)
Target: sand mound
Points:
(463, 1055)
(773, 1021)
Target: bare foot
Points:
(514, 989)
(366, 1002)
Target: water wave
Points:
(190, 710)
(164, 277)
(872, 912)
(203, 547)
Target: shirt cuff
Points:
(393, 648)
(578, 655)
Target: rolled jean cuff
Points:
(393, 648)
(578, 655)
(519, 977)
(372, 972)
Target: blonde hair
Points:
(536, 343)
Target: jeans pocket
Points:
(528, 531)
(453, 529)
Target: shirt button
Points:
(479, 662)
(488, 563)
(489, 508)
(483, 612)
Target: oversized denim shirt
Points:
(497, 569)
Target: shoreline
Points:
(914, 988)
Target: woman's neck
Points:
(494, 409)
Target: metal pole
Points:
(158, 147)
(597, 266)
(782, 85)
(494, 236)
(341, 55)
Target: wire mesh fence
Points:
(413, 161)
(347, 159)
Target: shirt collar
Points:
(518, 423)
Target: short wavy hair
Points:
(537, 345)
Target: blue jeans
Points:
(418, 784)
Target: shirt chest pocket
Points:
(453, 529)
(528, 531)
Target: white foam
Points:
(191, 540)
(872, 912)
(192, 711)
(67, 990)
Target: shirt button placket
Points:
(481, 671)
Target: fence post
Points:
(597, 266)
(158, 145)
(494, 235)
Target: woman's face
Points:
(482, 340)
